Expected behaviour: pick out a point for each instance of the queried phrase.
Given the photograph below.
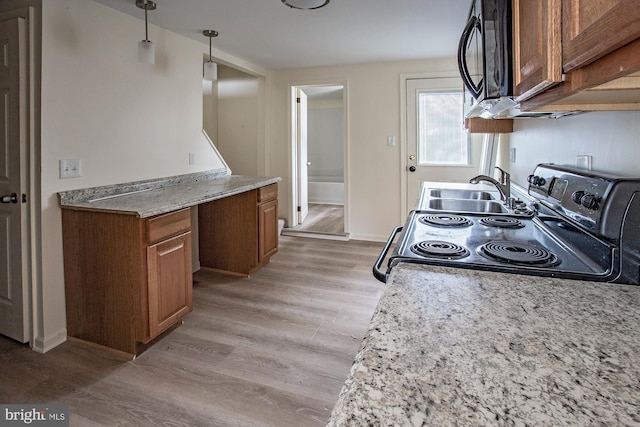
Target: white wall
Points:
(373, 102)
(210, 110)
(612, 138)
(125, 120)
(325, 134)
(238, 120)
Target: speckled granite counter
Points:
(157, 196)
(462, 347)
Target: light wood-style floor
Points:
(270, 350)
(323, 218)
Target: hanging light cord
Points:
(147, 5)
(211, 34)
(146, 25)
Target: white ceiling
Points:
(271, 35)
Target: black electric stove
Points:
(584, 226)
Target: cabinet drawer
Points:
(268, 192)
(168, 225)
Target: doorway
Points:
(436, 145)
(318, 166)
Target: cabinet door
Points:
(169, 282)
(537, 41)
(268, 229)
(594, 28)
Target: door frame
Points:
(31, 174)
(302, 177)
(292, 215)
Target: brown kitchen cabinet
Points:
(600, 48)
(169, 282)
(537, 46)
(127, 279)
(593, 28)
(239, 233)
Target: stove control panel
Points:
(567, 190)
(589, 201)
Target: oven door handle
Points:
(379, 274)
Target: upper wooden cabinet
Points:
(597, 44)
(537, 46)
(594, 28)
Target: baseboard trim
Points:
(369, 238)
(315, 235)
(44, 344)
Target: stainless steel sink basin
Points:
(470, 206)
(447, 193)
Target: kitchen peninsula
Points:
(452, 346)
(127, 249)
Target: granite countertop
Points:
(453, 346)
(158, 196)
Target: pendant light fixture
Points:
(210, 67)
(306, 4)
(146, 48)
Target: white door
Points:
(419, 165)
(303, 178)
(14, 271)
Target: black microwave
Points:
(485, 59)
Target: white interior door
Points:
(301, 136)
(416, 170)
(14, 259)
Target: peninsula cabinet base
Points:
(238, 234)
(127, 279)
(123, 355)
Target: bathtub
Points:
(326, 190)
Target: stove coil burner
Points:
(519, 254)
(501, 222)
(445, 220)
(439, 249)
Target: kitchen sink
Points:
(471, 206)
(446, 193)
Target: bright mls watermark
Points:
(54, 415)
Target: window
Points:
(442, 139)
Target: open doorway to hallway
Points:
(319, 141)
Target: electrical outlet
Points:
(192, 158)
(583, 161)
(512, 155)
(69, 168)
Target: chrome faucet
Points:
(503, 186)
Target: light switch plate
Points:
(69, 168)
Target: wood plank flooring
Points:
(270, 350)
(323, 218)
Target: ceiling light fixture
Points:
(306, 4)
(210, 67)
(146, 49)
